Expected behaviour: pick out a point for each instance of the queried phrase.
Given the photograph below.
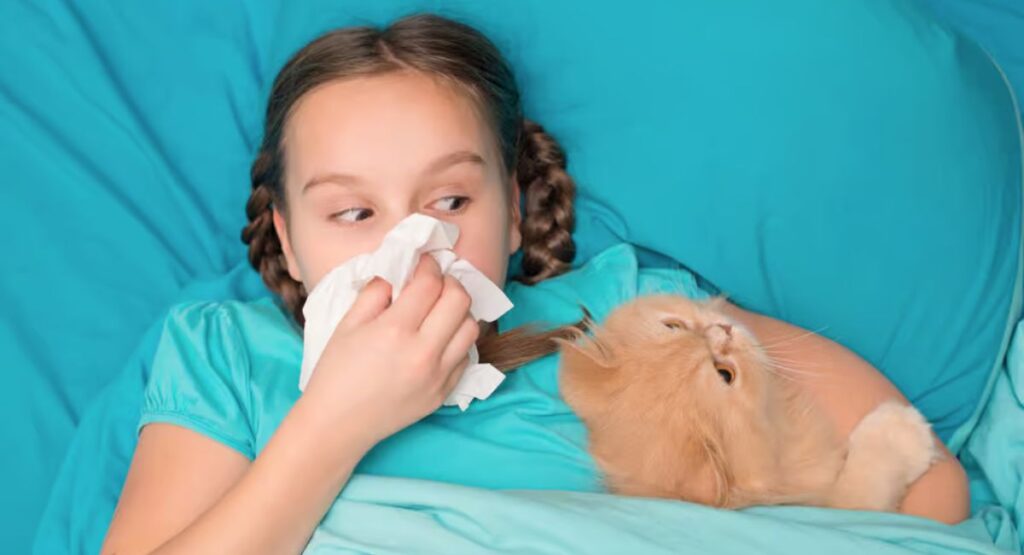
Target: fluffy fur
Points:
(682, 403)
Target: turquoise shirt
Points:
(230, 370)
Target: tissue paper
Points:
(395, 261)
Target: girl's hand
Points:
(388, 365)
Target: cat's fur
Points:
(651, 386)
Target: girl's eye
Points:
(353, 215)
(453, 203)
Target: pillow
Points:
(869, 190)
(996, 25)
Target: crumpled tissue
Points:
(395, 261)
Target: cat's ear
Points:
(586, 351)
(718, 467)
(705, 461)
(717, 303)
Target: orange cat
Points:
(682, 403)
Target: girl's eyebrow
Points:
(453, 158)
(439, 164)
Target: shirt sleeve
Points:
(200, 377)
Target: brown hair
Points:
(467, 60)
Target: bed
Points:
(852, 167)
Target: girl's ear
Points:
(286, 247)
(515, 236)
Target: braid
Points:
(548, 247)
(265, 253)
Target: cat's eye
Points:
(674, 324)
(726, 374)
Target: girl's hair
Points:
(465, 59)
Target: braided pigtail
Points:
(548, 247)
(549, 193)
(265, 253)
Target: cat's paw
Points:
(899, 435)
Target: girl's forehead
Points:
(384, 126)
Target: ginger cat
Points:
(680, 402)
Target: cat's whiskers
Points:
(781, 354)
(786, 361)
(784, 349)
(786, 377)
(795, 371)
(790, 365)
(781, 375)
(793, 338)
(789, 372)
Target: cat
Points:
(680, 402)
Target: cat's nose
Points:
(719, 336)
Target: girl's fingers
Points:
(370, 303)
(419, 296)
(447, 314)
(460, 343)
(453, 378)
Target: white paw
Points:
(899, 435)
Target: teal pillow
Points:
(852, 167)
(996, 25)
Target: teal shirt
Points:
(230, 370)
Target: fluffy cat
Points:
(680, 402)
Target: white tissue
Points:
(394, 261)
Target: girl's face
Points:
(362, 154)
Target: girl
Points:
(364, 127)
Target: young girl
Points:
(363, 128)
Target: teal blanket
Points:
(396, 515)
(387, 515)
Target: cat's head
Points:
(666, 366)
(675, 348)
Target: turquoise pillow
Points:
(996, 25)
(853, 167)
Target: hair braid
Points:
(549, 192)
(265, 253)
